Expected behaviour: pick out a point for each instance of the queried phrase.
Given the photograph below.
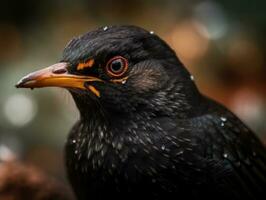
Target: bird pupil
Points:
(116, 65)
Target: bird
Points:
(145, 130)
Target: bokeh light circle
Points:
(20, 109)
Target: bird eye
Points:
(117, 66)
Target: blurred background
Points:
(222, 42)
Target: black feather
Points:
(155, 136)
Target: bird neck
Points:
(179, 100)
(101, 132)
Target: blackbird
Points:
(145, 130)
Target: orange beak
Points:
(57, 76)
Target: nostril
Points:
(60, 71)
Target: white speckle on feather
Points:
(101, 134)
(179, 153)
(124, 81)
(119, 146)
(223, 119)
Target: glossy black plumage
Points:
(154, 135)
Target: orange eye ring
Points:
(117, 66)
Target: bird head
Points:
(119, 68)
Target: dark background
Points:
(221, 42)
